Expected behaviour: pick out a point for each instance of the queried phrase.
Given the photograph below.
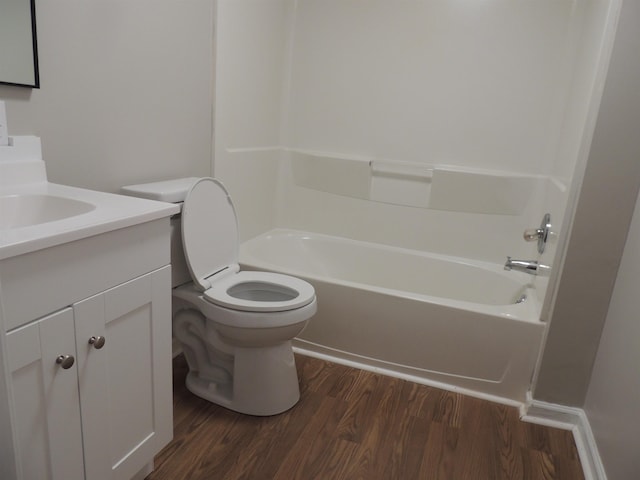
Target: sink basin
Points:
(23, 210)
(36, 214)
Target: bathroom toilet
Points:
(235, 327)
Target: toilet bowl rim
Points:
(219, 294)
(217, 314)
(240, 319)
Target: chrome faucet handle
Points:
(541, 234)
(533, 234)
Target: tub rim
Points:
(527, 311)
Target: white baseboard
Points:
(568, 418)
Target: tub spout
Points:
(527, 266)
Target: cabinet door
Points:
(45, 398)
(125, 386)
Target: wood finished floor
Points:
(352, 424)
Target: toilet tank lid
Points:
(172, 191)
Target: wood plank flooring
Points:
(352, 424)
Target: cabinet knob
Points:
(65, 361)
(97, 342)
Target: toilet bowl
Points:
(235, 327)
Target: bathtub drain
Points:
(522, 298)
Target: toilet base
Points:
(264, 382)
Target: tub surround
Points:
(326, 103)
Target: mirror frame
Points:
(34, 40)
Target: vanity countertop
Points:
(111, 212)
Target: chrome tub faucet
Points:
(532, 267)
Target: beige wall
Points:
(125, 91)
(601, 222)
(614, 391)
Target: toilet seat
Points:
(260, 292)
(210, 240)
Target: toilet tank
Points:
(171, 191)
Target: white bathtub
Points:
(441, 320)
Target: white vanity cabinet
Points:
(106, 414)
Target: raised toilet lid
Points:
(260, 292)
(210, 240)
(209, 230)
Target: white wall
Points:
(251, 39)
(455, 82)
(126, 91)
(613, 396)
